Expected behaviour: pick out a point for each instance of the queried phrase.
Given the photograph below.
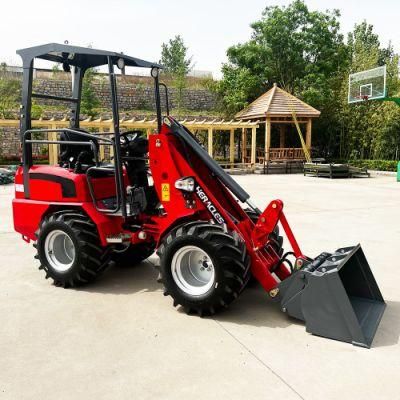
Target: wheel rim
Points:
(59, 250)
(193, 270)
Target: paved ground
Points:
(120, 338)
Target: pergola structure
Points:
(279, 107)
(105, 126)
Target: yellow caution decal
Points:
(165, 194)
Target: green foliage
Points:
(174, 57)
(180, 84)
(290, 46)
(36, 111)
(89, 101)
(55, 70)
(10, 92)
(376, 165)
(238, 82)
(177, 64)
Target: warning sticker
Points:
(165, 195)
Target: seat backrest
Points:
(70, 155)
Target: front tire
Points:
(203, 268)
(68, 248)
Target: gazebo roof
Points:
(277, 103)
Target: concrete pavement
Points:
(120, 338)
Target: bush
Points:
(377, 165)
(10, 90)
(36, 111)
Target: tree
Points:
(175, 61)
(174, 57)
(89, 101)
(55, 69)
(238, 82)
(288, 46)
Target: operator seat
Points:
(80, 158)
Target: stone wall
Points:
(130, 96)
(9, 141)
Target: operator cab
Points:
(79, 150)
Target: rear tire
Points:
(203, 267)
(69, 250)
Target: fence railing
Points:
(106, 127)
(286, 153)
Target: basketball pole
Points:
(393, 99)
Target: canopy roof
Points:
(79, 56)
(277, 103)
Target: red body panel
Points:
(47, 196)
(47, 190)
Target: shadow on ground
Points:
(126, 280)
(252, 308)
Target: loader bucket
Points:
(337, 297)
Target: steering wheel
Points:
(127, 137)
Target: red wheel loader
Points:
(164, 193)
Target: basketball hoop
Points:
(364, 97)
(367, 85)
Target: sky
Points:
(139, 27)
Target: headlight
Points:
(186, 184)
(120, 63)
(154, 72)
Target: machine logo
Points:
(210, 206)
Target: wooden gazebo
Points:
(277, 107)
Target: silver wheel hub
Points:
(59, 250)
(193, 270)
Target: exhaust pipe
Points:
(336, 295)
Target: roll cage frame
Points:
(80, 59)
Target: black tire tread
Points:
(233, 260)
(94, 259)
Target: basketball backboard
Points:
(367, 85)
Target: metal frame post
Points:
(26, 122)
(77, 78)
(157, 98)
(117, 143)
